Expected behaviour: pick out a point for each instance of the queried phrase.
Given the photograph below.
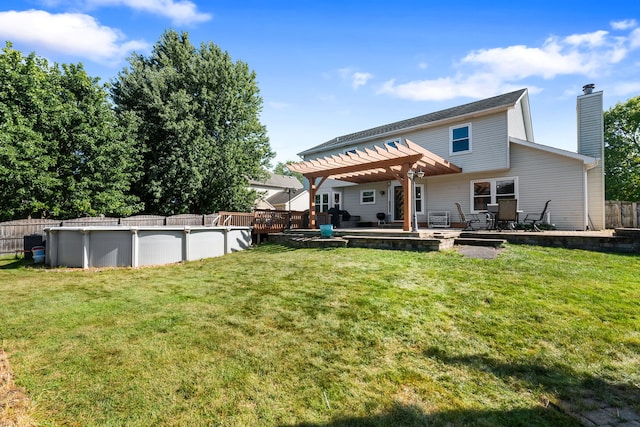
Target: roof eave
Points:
(588, 161)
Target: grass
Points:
(341, 337)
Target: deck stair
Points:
(472, 241)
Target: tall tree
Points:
(622, 151)
(281, 169)
(198, 126)
(26, 98)
(63, 152)
(97, 161)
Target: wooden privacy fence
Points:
(622, 214)
(12, 233)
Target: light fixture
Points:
(382, 192)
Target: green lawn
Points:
(280, 337)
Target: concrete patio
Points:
(622, 240)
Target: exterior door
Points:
(398, 203)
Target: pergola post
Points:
(408, 197)
(313, 189)
(312, 201)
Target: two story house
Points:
(473, 154)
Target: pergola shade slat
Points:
(375, 164)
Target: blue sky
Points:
(329, 68)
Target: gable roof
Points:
(278, 181)
(282, 197)
(484, 106)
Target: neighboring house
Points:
(473, 154)
(278, 191)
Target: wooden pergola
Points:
(379, 163)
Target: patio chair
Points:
(535, 218)
(507, 215)
(469, 220)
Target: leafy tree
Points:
(97, 159)
(63, 152)
(281, 169)
(622, 151)
(197, 126)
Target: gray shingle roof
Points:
(501, 101)
(282, 197)
(279, 181)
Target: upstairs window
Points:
(460, 139)
(393, 142)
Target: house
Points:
(280, 192)
(473, 154)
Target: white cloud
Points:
(360, 79)
(597, 38)
(486, 72)
(355, 78)
(475, 86)
(179, 11)
(634, 39)
(624, 25)
(68, 33)
(626, 88)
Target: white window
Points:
(322, 202)
(367, 197)
(460, 139)
(489, 191)
(419, 188)
(337, 201)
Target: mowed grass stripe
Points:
(275, 336)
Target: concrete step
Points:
(494, 243)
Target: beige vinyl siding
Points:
(351, 200)
(488, 137)
(443, 191)
(516, 122)
(590, 125)
(541, 176)
(546, 176)
(595, 181)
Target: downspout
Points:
(586, 169)
(586, 200)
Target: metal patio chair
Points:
(535, 218)
(507, 216)
(469, 220)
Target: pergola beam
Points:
(378, 163)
